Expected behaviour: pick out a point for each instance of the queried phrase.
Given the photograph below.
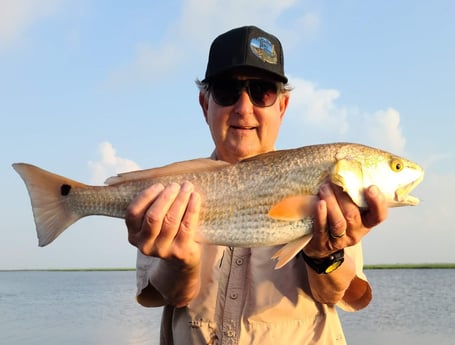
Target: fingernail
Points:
(324, 189)
(174, 187)
(158, 187)
(373, 191)
(187, 187)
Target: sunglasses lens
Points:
(262, 93)
(226, 92)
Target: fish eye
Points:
(396, 164)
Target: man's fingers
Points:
(178, 207)
(336, 218)
(377, 207)
(190, 219)
(137, 208)
(171, 217)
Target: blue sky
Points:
(88, 89)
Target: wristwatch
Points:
(327, 264)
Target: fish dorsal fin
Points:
(290, 250)
(348, 174)
(271, 154)
(294, 207)
(178, 168)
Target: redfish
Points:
(261, 201)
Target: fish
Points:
(265, 200)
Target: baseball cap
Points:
(246, 47)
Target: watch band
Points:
(325, 265)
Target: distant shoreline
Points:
(367, 267)
(410, 266)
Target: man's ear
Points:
(204, 103)
(284, 102)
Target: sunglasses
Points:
(262, 93)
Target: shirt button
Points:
(234, 295)
(239, 261)
(195, 323)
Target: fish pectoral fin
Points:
(290, 250)
(294, 207)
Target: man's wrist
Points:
(324, 265)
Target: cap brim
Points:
(248, 71)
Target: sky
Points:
(89, 89)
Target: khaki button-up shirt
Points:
(244, 300)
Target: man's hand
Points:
(161, 222)
(339, 223)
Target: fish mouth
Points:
(402, 196)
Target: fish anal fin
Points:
(294, 207)
(290, 250)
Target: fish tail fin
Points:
(48, 195)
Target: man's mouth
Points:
(243, 127)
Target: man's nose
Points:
(244, 104)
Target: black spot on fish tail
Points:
(65, 189)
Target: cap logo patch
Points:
(264, 50)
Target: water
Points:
(409, 307)
(73, 308)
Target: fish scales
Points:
(232, 216)
(232, 207)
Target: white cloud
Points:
(16, 16)
(109, 164)
(317, 107)
(383, 127)
(318, 112)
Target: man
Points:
(219, 295)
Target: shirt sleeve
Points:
(146, 294)
(359, 293)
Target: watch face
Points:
(334, 265)
(327, 265)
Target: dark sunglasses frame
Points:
(262, 93)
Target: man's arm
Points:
(161, 223)
(340, 224)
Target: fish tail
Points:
(49, 195)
